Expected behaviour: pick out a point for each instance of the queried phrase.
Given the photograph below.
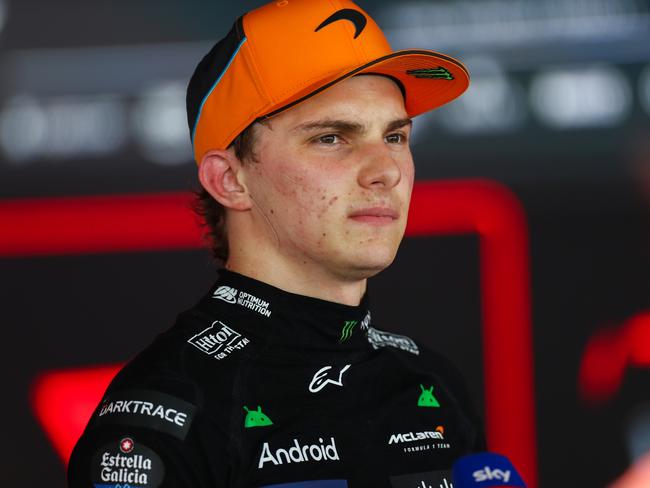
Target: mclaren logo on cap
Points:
(357, 18)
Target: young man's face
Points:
(333, 179)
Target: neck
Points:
(301, 280)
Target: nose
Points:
(380, 168)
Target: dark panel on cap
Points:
(210, 69)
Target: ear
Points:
(219, 174)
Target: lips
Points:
(375, 215)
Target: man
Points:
(300, 120)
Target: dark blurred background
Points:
(92, 103)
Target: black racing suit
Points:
(257, 387)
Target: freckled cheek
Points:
(410, 174)
(302, 197)
(313, 194)
(407, 167)
(317, 216)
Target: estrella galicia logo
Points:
(439, 73)
(127, 445)
(311, 484)
(126, 463)
(357, 18)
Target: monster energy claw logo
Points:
(346, 332)
(437, 73)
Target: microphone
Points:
(485, 470)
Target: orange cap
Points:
(286, 51)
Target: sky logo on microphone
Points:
(488, 473)
(485, 470)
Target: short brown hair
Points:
(211, 212)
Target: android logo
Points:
(256, 418)
(426, 398)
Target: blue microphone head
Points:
(485, 470)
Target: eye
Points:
(396, 138)
(328, 139)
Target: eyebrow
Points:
(399, 123)
(346, 125)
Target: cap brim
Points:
(430, 80)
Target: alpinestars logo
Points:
(299, 454)
(320, 379)
(232, 295)
(218, 340)
(380, 338)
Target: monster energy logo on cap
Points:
(437, 73)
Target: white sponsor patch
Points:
(365, 323)
(380, 338)
(225, 293)
(146, 408)
(420, 441)
(218, 340)
(234, 296)
(416, 436)
(127, 463)
(299, 453)
(324, 377)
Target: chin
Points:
(363, 268)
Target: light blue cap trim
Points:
(196, 122)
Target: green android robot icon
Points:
(256, 418)
(426, 398)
